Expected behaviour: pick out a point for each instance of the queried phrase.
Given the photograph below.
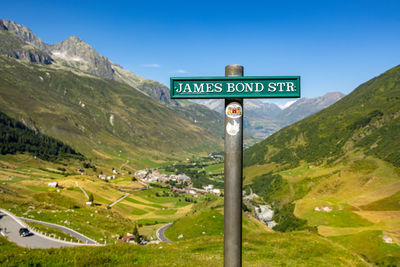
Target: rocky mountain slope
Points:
(75, 53)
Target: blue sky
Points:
(332, 45)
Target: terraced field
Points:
(25, 192)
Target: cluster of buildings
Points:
(210, 189)
(265, 213)
(103, 176)
(150, 176)
(326, 209)
(194, 191)
(106, 177)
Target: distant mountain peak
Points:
(76, 53)
(74, 38)
(24, 33)
(74, 50)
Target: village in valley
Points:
(179, 183)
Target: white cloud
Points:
(153, 65)
(181, 71)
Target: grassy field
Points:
(369, 244)
(25, 193)
(362, 191)
(23, 182)
(262, 249)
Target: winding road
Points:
(66, 230)
(161, 231)
(10, 225)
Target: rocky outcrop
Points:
(81, 55)
(13, 46)
(158, 91)
(31, 56)
(3, 27)
(24, 33)
(21, 43)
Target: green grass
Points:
(295, 249)
(137, 211)
(370, 245)
(364, 166)
(165, 212)
(153, 221)
(160, 200)
(57, 199)
(181, 203)
(40, 188)
(388, 203)
(215, 168)
(337, 218)
(143, 203)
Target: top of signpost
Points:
(235, 87)
(234, 70)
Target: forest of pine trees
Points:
(15, 137)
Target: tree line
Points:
(15, 137)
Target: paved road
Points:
(83, 190)
(161, 231)
(67, 230)
(118, 200)
(34, 241)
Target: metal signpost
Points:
(233, 88)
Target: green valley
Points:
(87, 145)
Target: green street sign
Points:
(235, 87)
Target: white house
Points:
(53, 184)
(208, 187)
(192, 192)
(216, 191)
(327, 209)
(112, 177)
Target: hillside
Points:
(20, 42)
(15, 137)
(359, 121)
(100, 118)
(339, 170)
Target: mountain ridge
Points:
(76, 53)
(265, 118)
